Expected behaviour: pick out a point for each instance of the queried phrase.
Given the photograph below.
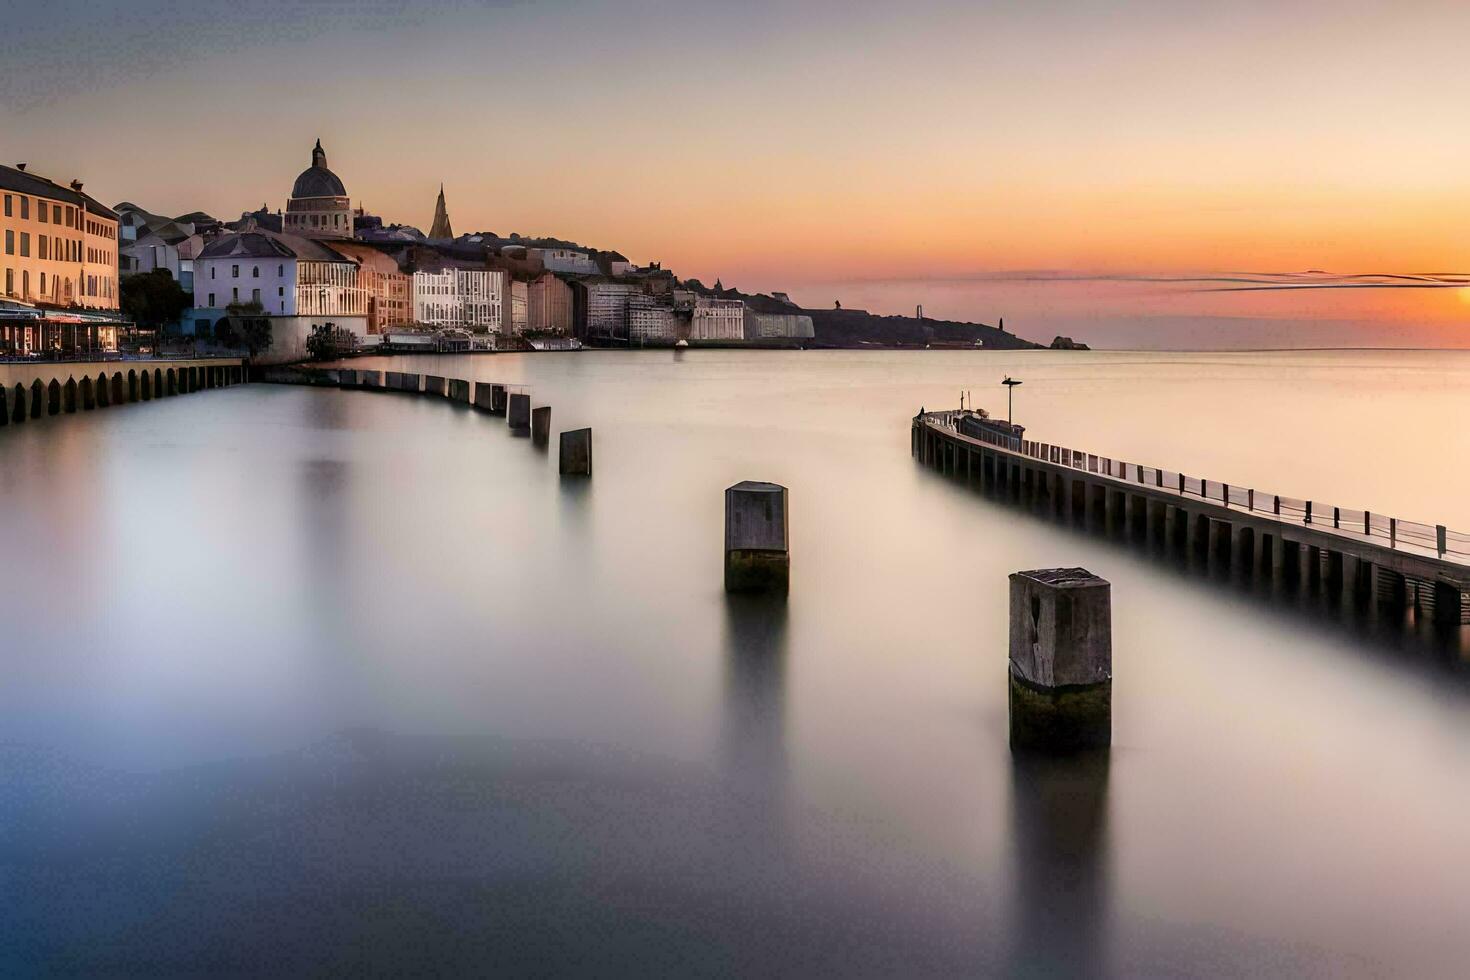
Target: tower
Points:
(441, 231)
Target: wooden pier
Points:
(1366, 559)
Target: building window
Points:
(211, 275)
(41, 251)
(43, 284)
(255, 295)
(25, 207)
(255, 272)
(211, 300)
(9, 278)
(235, 293)
(25, 280)
(280, 290)
(41, 211)
(234, 272)
(25, 241)
(280, 270)
(56, 214)
(9, 244)
(8, 212)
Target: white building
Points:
(286, 274)
(717, 319)
(565, 260)
(473, 299)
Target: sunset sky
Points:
(770, 142)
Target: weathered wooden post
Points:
(519, 415)
(459, 390)
(497, 399)
(541, 425)
(576, 453)
(484, 397)
(1061, 660)
(757, 550)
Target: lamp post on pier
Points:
(1010, 384)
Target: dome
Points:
(316, 180)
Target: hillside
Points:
(857, 328)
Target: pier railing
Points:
(1435, 539)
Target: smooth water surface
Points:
(305, 679)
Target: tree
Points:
(153, 299)
(256, 333)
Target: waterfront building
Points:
(288, 275)
(60, 244)
(777, 326)
(440, 230)
(319, 206)
(389, 290)
(651, 320)
(549, 305)
(717, 319)
(467, 298)
(519, 306)
(601, 308)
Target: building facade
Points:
(468, 298)
(605, 314)
(549, 304)
(389, 291)
(59, 244)
(520, 295)
(318, 206)
(717, 319)
(650, 320)
(285, 274)
(565, 260)
(777, 326)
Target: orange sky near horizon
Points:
(820, 141)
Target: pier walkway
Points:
(1367, 559)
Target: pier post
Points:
(497, 399)
(757, 550)
(459, 390)
(1061, 660)
(519, 415)
(484, 397)
(1448, 604)
(434, 385)
(576, 453)
(541, 425)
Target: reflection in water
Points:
(1059, 823)
(755, 677)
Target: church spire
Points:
(441, 228)
(318, 155)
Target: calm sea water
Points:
(306, 680)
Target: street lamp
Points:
(1010, 384)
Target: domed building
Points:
(319, 206)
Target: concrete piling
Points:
(576, 453)
(541, 425)
(434, 385)
(484, 396)
(497, 399)
(518, 415)
(1061, 660)
(757, 550)
(459, 391)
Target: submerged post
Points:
(576, 453)
(541, 425)
(1061, 660)
(757, 553)
(519, 416)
